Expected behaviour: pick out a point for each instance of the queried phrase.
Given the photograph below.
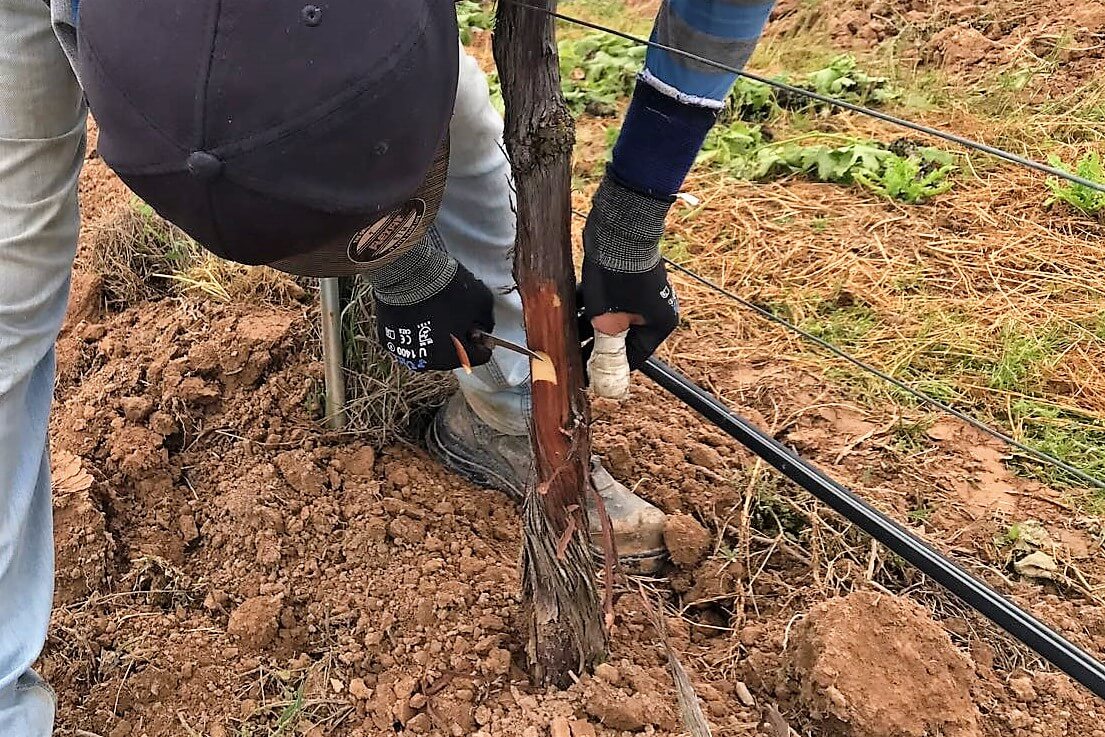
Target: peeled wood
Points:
(566, 624)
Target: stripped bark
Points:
(566, 624)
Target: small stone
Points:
(1037, 565)
(136, 409)
(608, 673)
(743, 694)
(162, 423)
(560, 728)
(1022, 689)
(92, 332)
(188, 529)
(359, 690)
(404, 688)
(361, 462)
(406, 530)
(398, 476)
(403, 712)
(704, 456)
(687, 541)
(419, 723)
(530, 731)
(254, 622)
(582, 728)
(497, 662)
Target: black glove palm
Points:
(424, 299)
(622, 269)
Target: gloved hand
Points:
(422, 299)
(622, 270)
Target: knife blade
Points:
(491, 341)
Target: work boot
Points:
(466, 445)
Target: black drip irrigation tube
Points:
(1049, 644)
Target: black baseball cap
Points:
(309, 135)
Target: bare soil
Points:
(227, 567)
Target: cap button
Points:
(312, 15)
(204, 166)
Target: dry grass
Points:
(984, 299)
(141, 256)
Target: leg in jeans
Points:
(41, 150)
(476, 222)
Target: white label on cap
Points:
(393, 230)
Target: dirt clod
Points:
(923, 685)
(1022, 689)
(255, 621)
(704, 456)
(608, 673)
(560, 728)
(617, 710)
(687, 541)
(582, 728)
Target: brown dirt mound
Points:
(872, 665)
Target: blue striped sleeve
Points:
(725, 31)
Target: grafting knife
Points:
(491, 341)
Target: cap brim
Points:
(383, 239)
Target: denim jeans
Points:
(42, 136)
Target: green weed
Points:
(772, 515)
(597, 71)
(749, 101)
(1077, 439)
(906, 179)
(920, 514)
(939, 389)
(1079, 196)
(1025, 358)
(911, 437)
(753, 101)
(913, 178)
(842, 326)
(471, 16)
(732, 147)
(676, 248)
(842, 79)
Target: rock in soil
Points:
(687, 541)
(872, 665)
(255, 621)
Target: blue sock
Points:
(659, 141)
